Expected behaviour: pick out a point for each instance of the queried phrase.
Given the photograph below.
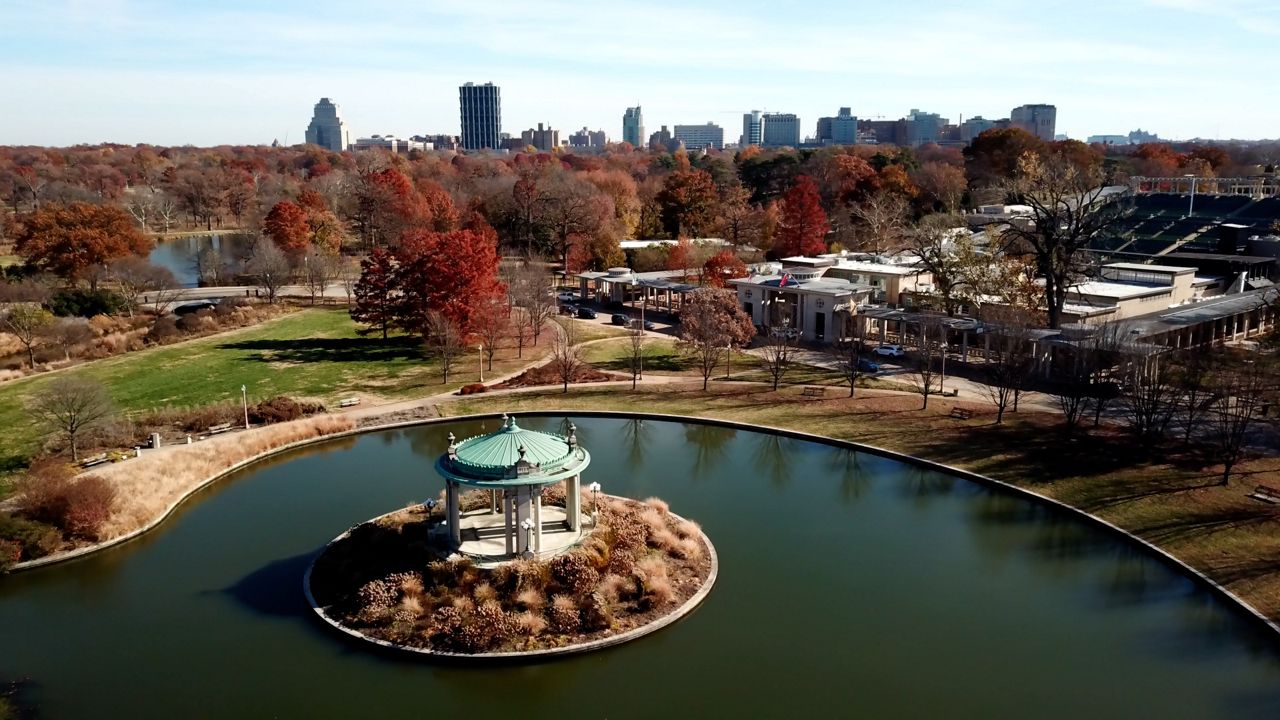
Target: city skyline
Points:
(126, 71)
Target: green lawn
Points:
(313, 353)
(7, 260)
(661, 356)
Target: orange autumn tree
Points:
(288, 228)
(452, 273)
(722, 267)
(72, 240)
(803, 229)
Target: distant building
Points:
(884, 132)
(1140, 136)
(700, 136)
(973, 127)
(780, 130)
(1039, 120)
(661, 140)
(327, 129)
(545, 140)
(633, 127)
(391, 143)
(585, 138)
(839, 130)
(924, 127)
(752, 129)
(481, 113)
(438, 142)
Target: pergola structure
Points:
(514, 465)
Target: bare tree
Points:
(1069, 210)
(26, 323)
(319, 269)
(778, 352)
(846, 351)
(711, 321)
(532, 289)
(1192, 375)
(881, 222)
(1241, 386)
(270, 267)
(636, 353)
(491, 322)
(135, 277)
(1149, 399)
(928, 352)
(348, 273)
(210, 268)
(72, 405)
(566, 356)
(444, 341)
(69, 332)
(1006, 373)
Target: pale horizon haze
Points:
(242, 72)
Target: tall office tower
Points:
(326, 128)
(780, 130)
(752, 129)
(1039, 120)
(973, 127)
(839, 130)
(924, 127)
(481, 110)
(633, 127)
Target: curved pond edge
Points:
(599, 644)
(1172, 560)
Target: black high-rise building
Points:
(481, 111)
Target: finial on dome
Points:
(522, 451)
(573, 435)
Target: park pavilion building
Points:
(514, 465)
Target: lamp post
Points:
(1191, 207)
(595, 503)
(431, 506)
(480, 348)
(244, 399)
(728, 360)
(527, 526)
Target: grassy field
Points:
(314, 353)
(661, 357)
(1168, 496)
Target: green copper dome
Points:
(513, 456)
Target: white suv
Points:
(889, 351)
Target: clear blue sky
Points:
(241, 71)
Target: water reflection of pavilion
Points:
(514, 465)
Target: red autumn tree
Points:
(894, 179)
(287, 226)
(688, 202)
(803, 230)
(72, 240)
(680, 256)
(375, 293)
(722, 267)
(452, 273)
(309, 199)
(993, 156)
(441, 215)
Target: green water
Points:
(850, 585)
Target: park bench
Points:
(95, 460)
(349, 402)
(813, 391)
(1266, 494)
(215, 429)
(960, 413)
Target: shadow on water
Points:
(275, 589)
(709, 443)
(848, 467)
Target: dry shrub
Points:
(615, 588)
(689, 548)
(33, 539)
(375, 598)
(147, 486)
(596, 550)
(658, 504)
(275, 410)
(164, 330)
(665, 540)
(597, 613)
(554, 495)
(514, 578)
(463, 604)
(563, 615)
(530, 624)
(688, 529)
(575, 572)
(79, 506)
(484, 592)
(11, 374)
(473, 389)
(651, 572)
(411, 606)
(531, 600)
(654, 520)
(89, 503)
(411, 585)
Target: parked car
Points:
(868, 366)
(195, 307)
(567, 297)
(894, 351)
(619, 319)
(569, 310)
(586, 313)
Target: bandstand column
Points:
(523, 511)
(537, 519)
(455, 521)
(508, 509)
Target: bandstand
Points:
(514, 465)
